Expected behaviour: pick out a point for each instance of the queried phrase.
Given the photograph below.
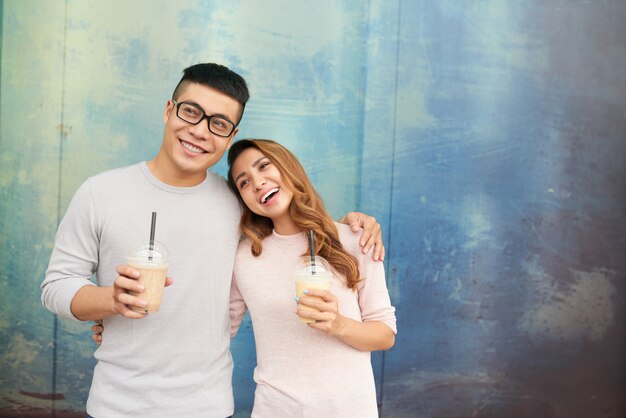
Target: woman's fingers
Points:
(324, 294)
(97, 330)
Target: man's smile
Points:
(192, 148)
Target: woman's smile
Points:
(269, 196)
(262, 189)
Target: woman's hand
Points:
(364, 336)
(97, 330)
(328, 320)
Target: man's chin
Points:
(197, 167)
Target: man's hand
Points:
(96, 302)
(127, 282)
(372, 234)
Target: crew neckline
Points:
(289, 237)
(174, 189)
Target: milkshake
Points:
(153, 264)
(311, 276)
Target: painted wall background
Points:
(489, 139)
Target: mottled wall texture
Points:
(488, 137)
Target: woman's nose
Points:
(259, 183)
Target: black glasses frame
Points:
(204, 116)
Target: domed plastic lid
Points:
(149, 254)
(313, 267)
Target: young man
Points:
(175, 362)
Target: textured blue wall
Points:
(489, 138)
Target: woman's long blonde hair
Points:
(306, 209)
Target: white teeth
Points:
(191, 147)
(266, 195)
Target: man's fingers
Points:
(127, 284)
(371, 235)
(168, 281)
(125, 270)
(124, 310)
(376, 253)
(376, 241)
(134, 315)
(129, 300)
(354, 219)
(371, 232)
(356, 225)
(371, 241)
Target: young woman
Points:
(320, 369)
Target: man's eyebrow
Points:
(220, 115)
(254, 164)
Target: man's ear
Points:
(169, 106)
(232, 138)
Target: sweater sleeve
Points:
(74, 258)
(373, 295)
(374, 300)
(237, 308)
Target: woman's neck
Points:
(285, 226)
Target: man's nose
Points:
(201, 130)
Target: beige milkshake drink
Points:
(153, 278)
(311, 276)
(153, 265)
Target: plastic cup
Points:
(153, 263)
(311, 276)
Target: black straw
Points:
(312, 251)
(152, 226)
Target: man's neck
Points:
(167, 174)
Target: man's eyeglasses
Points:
(191, 113)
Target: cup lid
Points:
(150, 254)
(313, 267)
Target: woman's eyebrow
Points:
(239, 176)
(254, 164)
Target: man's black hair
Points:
(217, 77)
